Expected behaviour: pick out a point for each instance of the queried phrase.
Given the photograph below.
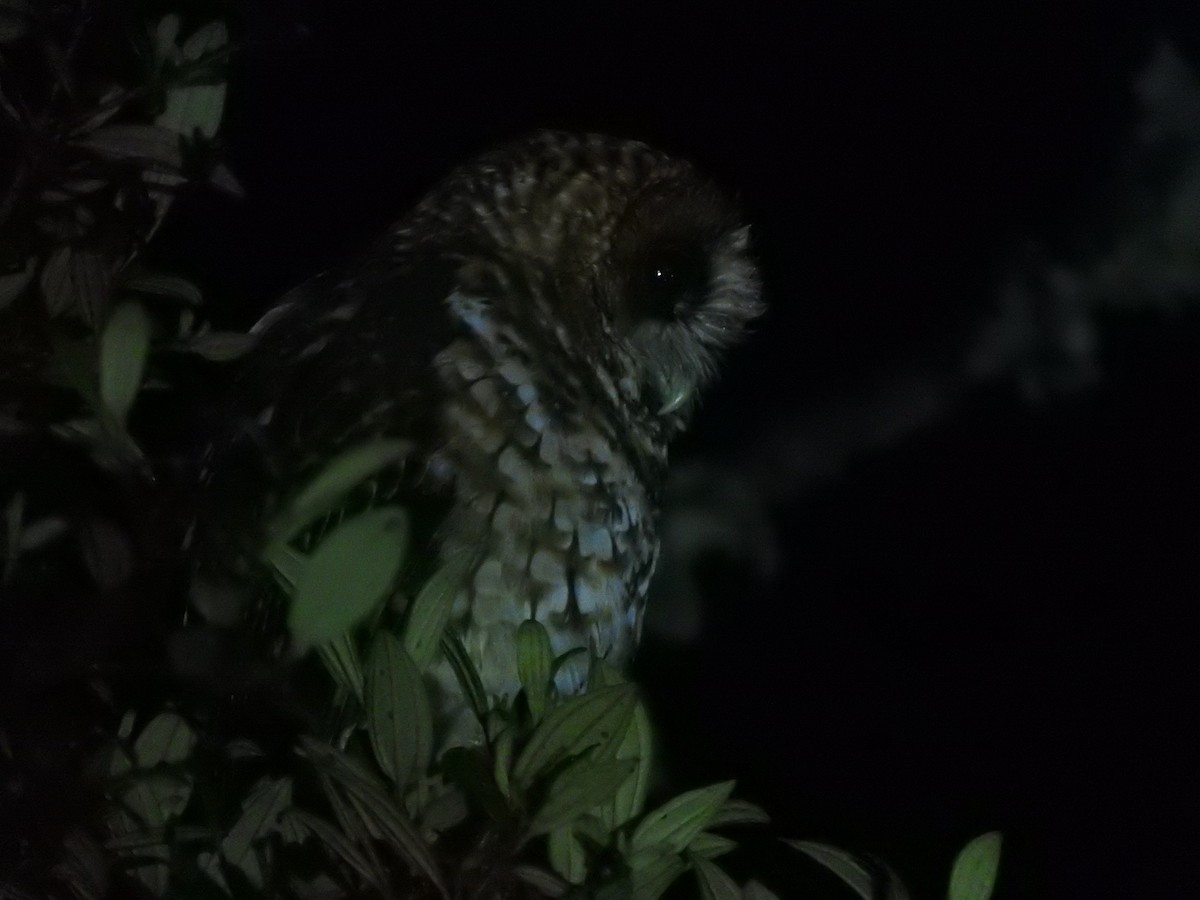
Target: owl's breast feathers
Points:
(495, 330)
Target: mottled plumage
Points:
(537, 328)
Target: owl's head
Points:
(608, 251)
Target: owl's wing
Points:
(344, 358)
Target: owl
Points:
(536, 330)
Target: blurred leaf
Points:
(429, 613)
(859, 874)
(287, 565)
(399, 720)
(348, 575)
(652, 871)
(326, 491)
(76, 281)
(157, 798)
(739, 812)
(973, 876)
(465, 673)
(567, 855)
(106, 552)
(534, 659)
(753, 890)
(710, 846)
(269, 798)
(714, 883)
(161, 285)
(546, 883)
(576, 725)
(221, 346)
(676, 823)
(124, 345)
(638, 745)
(340, 657)
(371, 802)
(342, 847)
(502, 766)
(40, 532)
(166, 738)
(166, 36)
(223, 180)
(150, 145)
(82, 866)
(13, 284)
(579, 787)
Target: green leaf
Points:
(166, 738)
(534, 659)
(676, 823)
(579, 787)
(124, 345)
(156, 798)
(714, 883)
(858, 873)
(546, 883)
(576, 725)
(326, 491)
(739, 812)
(637, 744)
(342, 847)
(754, 890)
(220, 346)
(340, 657)
(77, 281)
(567, 855)
(653, 870)
(466, 674)
(370, 801)
(197, 107)
(260, 817)
(429, 613)
(502, 768)
(160, 285)
(399, 720)
(710, 846)
(973, 876)
(348, 575)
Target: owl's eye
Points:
(674, 281)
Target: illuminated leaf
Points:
(166, 738)
(714, 883)
(973, 876)
(534, 659)
(399, 720)
(578, 724)
(579, 787)
(124, 345)
(429, 613)
(676, 823)
(348, 575)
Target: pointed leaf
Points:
(348, 575)
(546, 883)
(341, 846)
(157, 798)
(466, 674)
(755, 890)
(260, 817)
(160, 285)
(709, 846)
(567, 855)
(739, 812)
(150, 145)
(429, 613)
(341, 661)
(399, 720)
(677, 822)
(166, 738)
(124, 345)
(534, 659)
(638, 745)
(857, 872)
(653, 870)
(579, 723)
(714, 883)
(973, 876)
(579, 787)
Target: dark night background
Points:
(978, 625)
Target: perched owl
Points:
(536, 329)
